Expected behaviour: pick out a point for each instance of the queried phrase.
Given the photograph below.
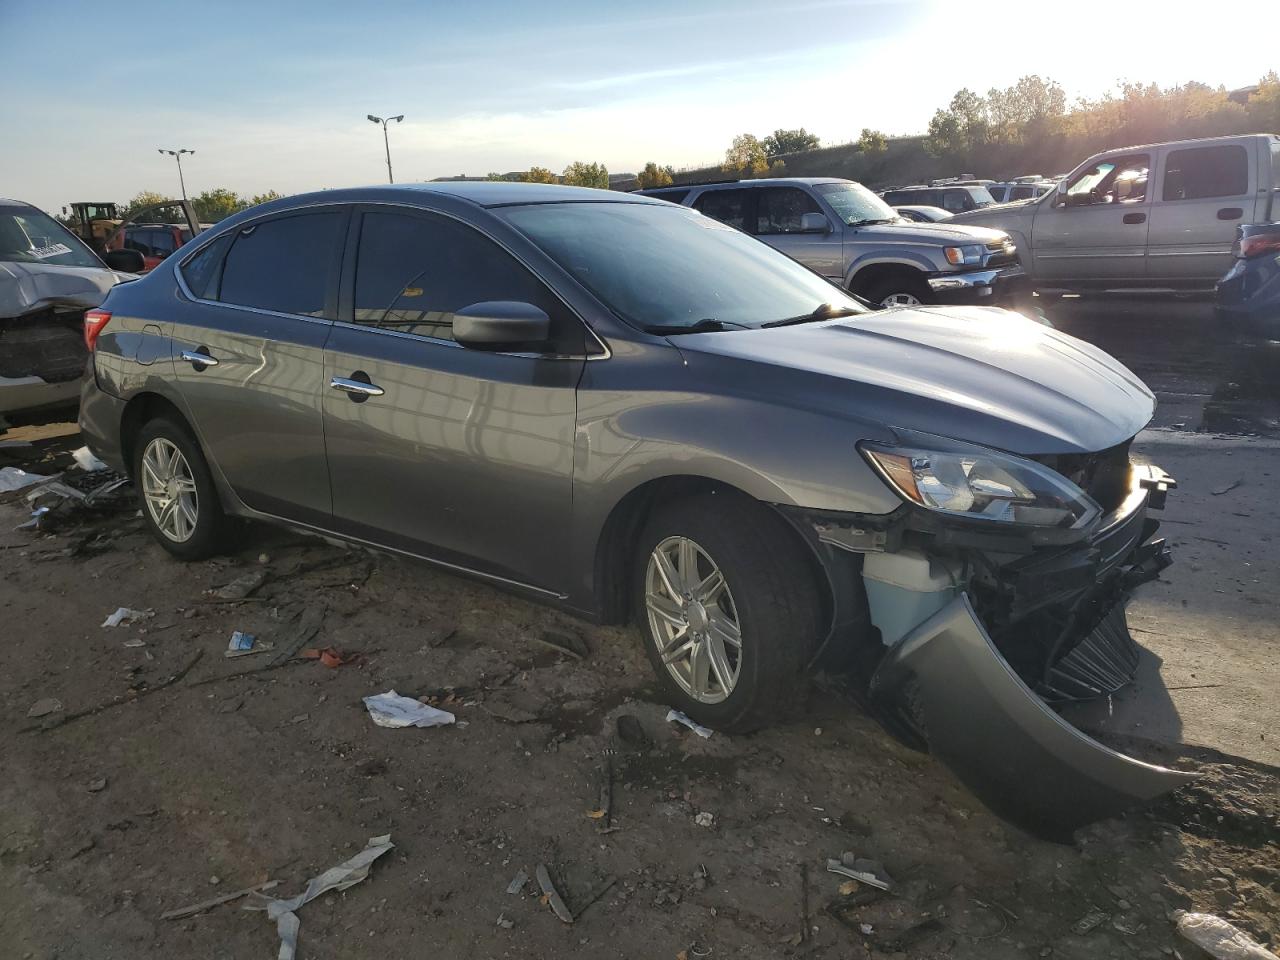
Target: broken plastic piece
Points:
(124, 615)
(11, 478)
(1218, 938)
(344, 875)
(697, 728)
(44, 707)
(332, 657)
(1090, 921)
(242, 586)
(870, 872)
(560, 908)
(392, 710)
(517, 882)
(86, 461)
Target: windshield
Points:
(29, 236)
(663, 266)
(854, 203)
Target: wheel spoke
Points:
(688, 566)
(699, 668)
(188, 510)
(710, 588)
(726, 631)
(668, 574)
(150, 479)
(665, 608)
(679, 651)
(720, 665)
(165, 521)
(186, 485)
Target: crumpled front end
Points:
(984, 631)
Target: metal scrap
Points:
(190, 911)
(558, 906)
(862, 869)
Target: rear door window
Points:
(1022, 193)
(285, 265)
(1201, 173)
(414, 272)
(780, 209)
(955, 201)
(727, 206)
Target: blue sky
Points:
(274, 95)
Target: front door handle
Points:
(199, 358)
(1230, 213)
(1135, 218)
(358, 389)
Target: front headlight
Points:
(964, 256)
(971, 481)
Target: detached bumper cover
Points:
(1019, 757)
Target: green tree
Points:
(655, 176)
(149, 198)
(540, 175)
(217, 204)
(581, 174)
(789, 141)
(872, 141)
(264, 198)
(746, 157)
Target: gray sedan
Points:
(630, 410)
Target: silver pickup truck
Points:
(843, 231)
(1154, 218)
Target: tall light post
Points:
(177, 155)
(385, 142)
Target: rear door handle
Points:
(198, 358)
(1135, 218)
(1230, 213)
(358, 390)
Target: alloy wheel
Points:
(693, 620)
(900, 300)
(169, 490)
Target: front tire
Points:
(730, 609)
(899, 290)
(176, 492)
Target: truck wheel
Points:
(730, 609)
(898, 290)
(176, 492)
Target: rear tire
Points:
(766, 598)
(176, 491)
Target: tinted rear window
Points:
(285, 265)
(1205, 172)
(727, 206)
(672, 196)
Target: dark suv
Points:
(954, 198)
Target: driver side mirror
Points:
(814, 223)
(502, 325)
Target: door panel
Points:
(1103, 242)
(265, 296)
(1205, 193)
(465, 455)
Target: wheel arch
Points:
(868, 276)
(141, 409)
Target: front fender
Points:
(1016, 754)
(898, 258)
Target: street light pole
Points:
(177, 155)
(386, 142)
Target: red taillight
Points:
(1256, 246)
(94, 322)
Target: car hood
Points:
(943, 234)
(31, 287)
(978, 374)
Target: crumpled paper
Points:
(392, 710)
(344, 875)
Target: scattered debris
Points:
(392, 710)
(1219, 491)
(870, 872)
(11, 478)
(1090, 922)
(97, 785)
(44, 706)
(135, 643)
(1218, 938)
(517, 882)
(697, 728)
(190, 911)
(705, 819)
(241, 587)
(332, 657)
(131, 697)
(341, 877)
(569, 643)
(86, 461)
(504, 923)
(604, 812)
(125, 616)
(38, 514)
(551, 896)
(245, 644)
(866, 929)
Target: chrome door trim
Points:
(356, 386)
(194, 356)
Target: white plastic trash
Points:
(392, 710)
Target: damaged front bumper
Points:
(982, 633)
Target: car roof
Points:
(1198, 141)
(484, 193)
(13, 203)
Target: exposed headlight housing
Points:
(981, 484)
(968, 255)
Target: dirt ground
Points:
(269, 768)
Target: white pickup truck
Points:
(1155, 218)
